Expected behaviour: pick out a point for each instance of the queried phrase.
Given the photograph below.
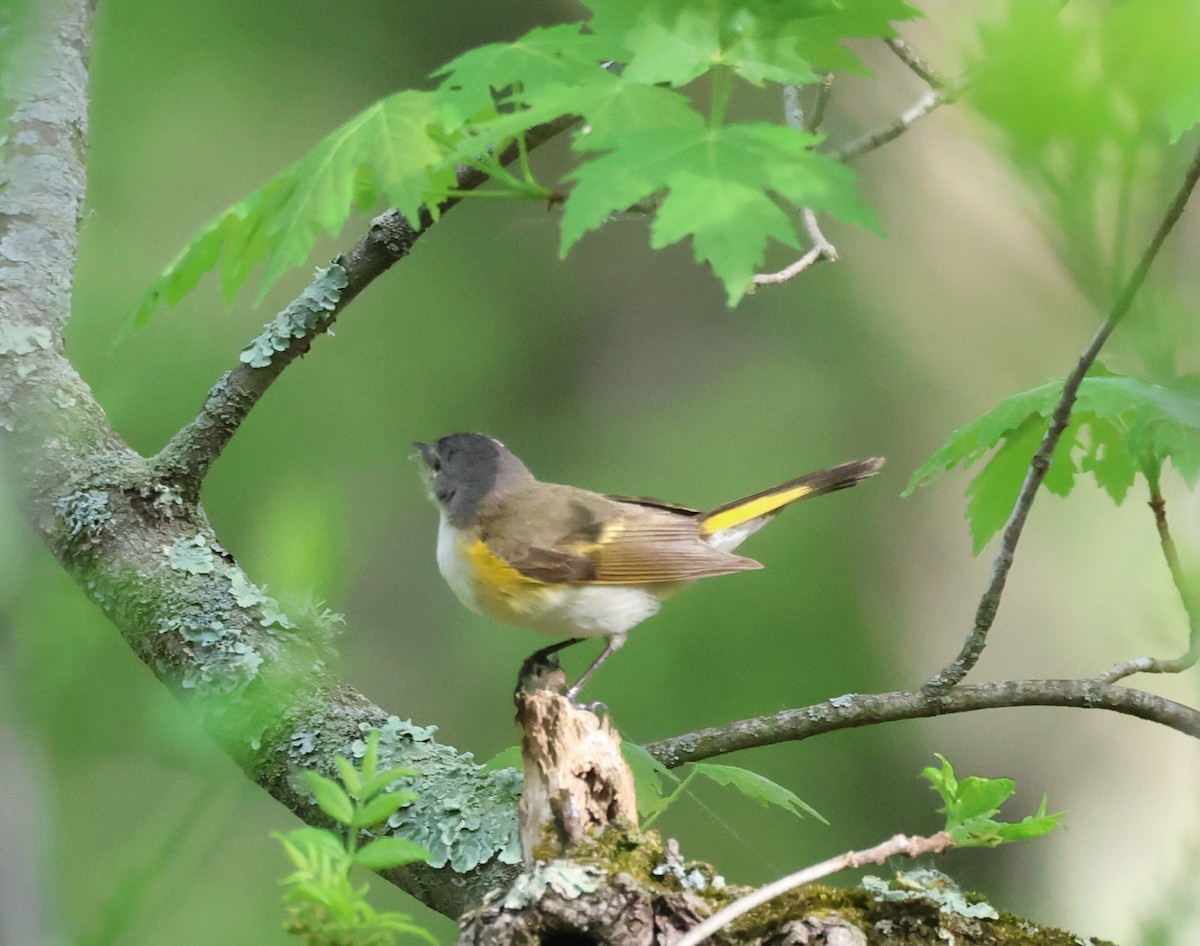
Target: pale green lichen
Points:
(932, 886)
(302, 317)
(566, 878)
(20, 339)
(464, 816)
(191, 555)
(84, 513)
(248, 595)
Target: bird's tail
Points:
(728, 525)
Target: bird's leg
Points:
(615, 642)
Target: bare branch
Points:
(822, 249)
(187, 458)
(877, 137)
(986, 613)
(879, 854)
(917, 64)
(856, 709)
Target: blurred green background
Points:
(621, 370)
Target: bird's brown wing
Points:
(604, 540)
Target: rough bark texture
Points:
(576, 781)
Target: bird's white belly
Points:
(590, 610)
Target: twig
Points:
(900, 844)
(917, 64)
(187, 458)
(1187, 595)
(986, 613)
(856, 709)
(791, 272)
(877, 137)
(822, 249)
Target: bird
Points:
(577, 564)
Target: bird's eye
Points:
(435, 463)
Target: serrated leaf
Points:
(384, 153)
(757, 787)
(1119, 426)
(479, 79)
(982, 797)
(385, 853)
(331, 798)
(760, 40)
(720, 185)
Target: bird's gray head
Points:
(462, 469)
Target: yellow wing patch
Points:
(752, 508)
(494, 573)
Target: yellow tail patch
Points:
(753, 507)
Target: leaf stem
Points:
(669, 800)
(985, 614)
(1187, 595)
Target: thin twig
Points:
(820, 100)
(187, 458)
(877, 137)
(985, 615)
(917, 64)
(1187, 596)
(879, 854)
(822, 249)
(857, 709)
(789, 272)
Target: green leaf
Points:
(649, 776)
(302, 841)
(757, 787)
(1119, 426)
(509, 758)
(721, 188)
(350, 776)
(385, 853)
(381, 807)
(475, 82)
(385, 153)
(971, 804)
(385, 778)
(760, 40)
(331, 798)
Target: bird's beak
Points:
(426, 452)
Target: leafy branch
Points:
(1039, 466)
(324, 904)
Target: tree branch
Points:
(985, 615)
(189, 455)
(925, 72)
(854, 710)
(1187, 596)
(879, 854)
(255, 680)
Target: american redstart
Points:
(577, 564)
